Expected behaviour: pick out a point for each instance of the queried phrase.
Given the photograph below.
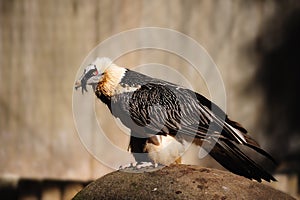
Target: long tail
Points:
(236, 161)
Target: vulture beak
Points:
(87, 78)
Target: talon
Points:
(144, 165)
(122, 167)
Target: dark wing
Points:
(166, 109)
(162, 108)
(172, 107)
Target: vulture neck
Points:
(112, 77)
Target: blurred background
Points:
(255, 44)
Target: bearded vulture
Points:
(162, 116)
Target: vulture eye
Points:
(95, 72)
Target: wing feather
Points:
(162, 108)
(166, 109)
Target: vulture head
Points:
(92, 74)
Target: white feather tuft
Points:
(102, 63)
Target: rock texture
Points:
(178, 182)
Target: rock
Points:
(178, 182)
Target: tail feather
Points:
(236, 161)
(261, 151)
(255, 146)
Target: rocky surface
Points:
(178, 182)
